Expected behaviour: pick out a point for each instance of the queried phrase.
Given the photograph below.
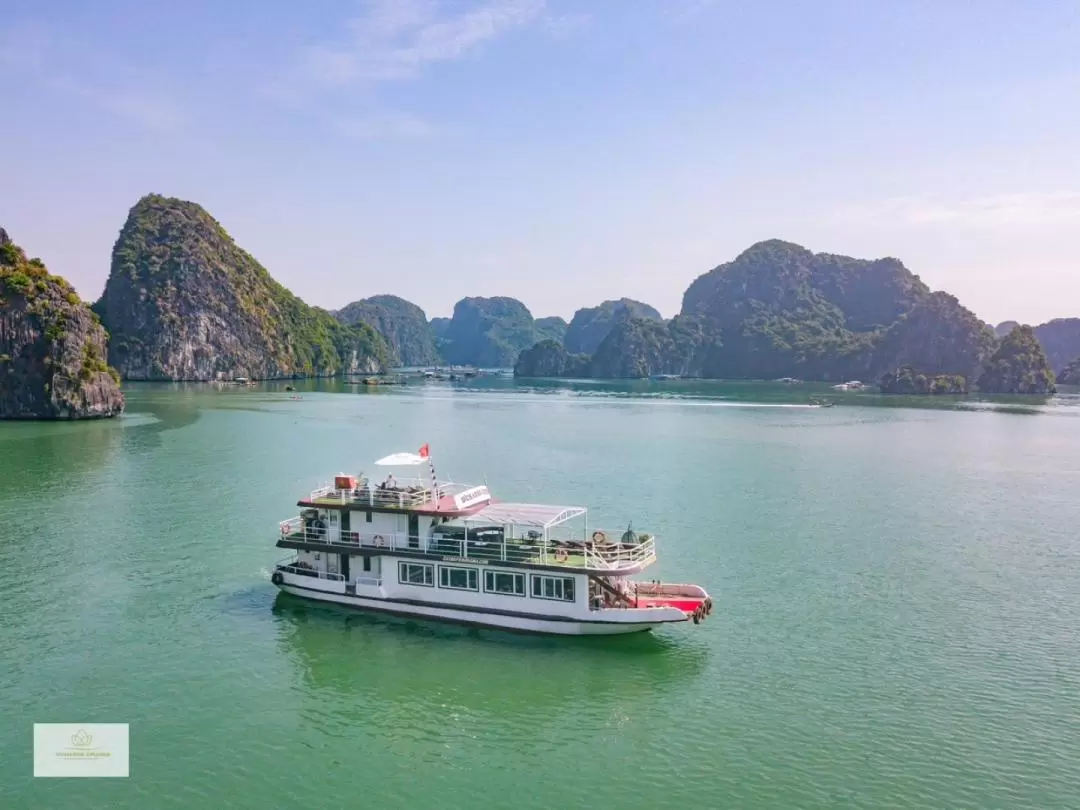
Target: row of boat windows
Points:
(506, 583)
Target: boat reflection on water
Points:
(416, 669)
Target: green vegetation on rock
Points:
(553, 328)
(1019, 366)
(906, 380)
(401, 323)
(549, 358)
(184, 302)
(779, 310)
(1003, 328)
(487, 332)
(1070, 375)
(591, 325)
(52, 347)
(1060, 339)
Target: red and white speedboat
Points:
(416, 546)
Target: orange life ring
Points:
(379, 541)
(599, 537)
(561, 555)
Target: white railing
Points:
(372, 581)
(525, 550)
(301, 569)
(621, 556)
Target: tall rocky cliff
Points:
(52, 347)
(401, 323)
(1018, 366)
(778, 310)
(591, 325)
(487, 332)
(184, 302)
(1060, 339)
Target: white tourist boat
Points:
(438, 550)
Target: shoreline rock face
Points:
(402, 324)
(1070, 375)
(184, 302)
(910, 381)
(52, 347)
(591, 325)
(486, 332)
(1019, 366)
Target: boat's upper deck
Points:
(461, 521)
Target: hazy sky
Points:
(560, 152)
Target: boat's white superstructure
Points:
(438, 550)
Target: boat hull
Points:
(615, 625)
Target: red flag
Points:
(424, 452)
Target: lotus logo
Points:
(81, 738)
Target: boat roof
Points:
(523, 514)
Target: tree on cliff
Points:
(1019, 366)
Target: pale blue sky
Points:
(561, 152)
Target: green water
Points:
(897, 620)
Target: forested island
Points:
(184, 302)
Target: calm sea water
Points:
(897, 620)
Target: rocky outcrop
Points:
(488, 332)
(1003, 328)
(52, 347)
(907, 380)
(636, 348)
(184, 302)
(553, 328)
(1070, 375)
(1019, 366)
(591, 325)
(1060, 339)
(549, 358)
(401, 323)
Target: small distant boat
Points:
(789, 381)
(851, 385)
(665, 377)
(820, 403)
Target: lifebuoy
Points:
(277, 578)
(599, 537)
(560, 555)
(379, 541)
(697, 616)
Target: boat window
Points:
(560, 588)
(367, 563)
(416, 574)
(461, 579)
(367, 517)
(504, 582)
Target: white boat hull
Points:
(601, 622)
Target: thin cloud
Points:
(30, 53)
(1016, 209)
(397, 39)
(385, 126)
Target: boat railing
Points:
(402, 496)
(513, 549)
(372, 581)
(620, 555)
(294, 566)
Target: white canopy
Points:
(525, 514)
(401, 460)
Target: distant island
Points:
(184, 302)
(52, 347)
